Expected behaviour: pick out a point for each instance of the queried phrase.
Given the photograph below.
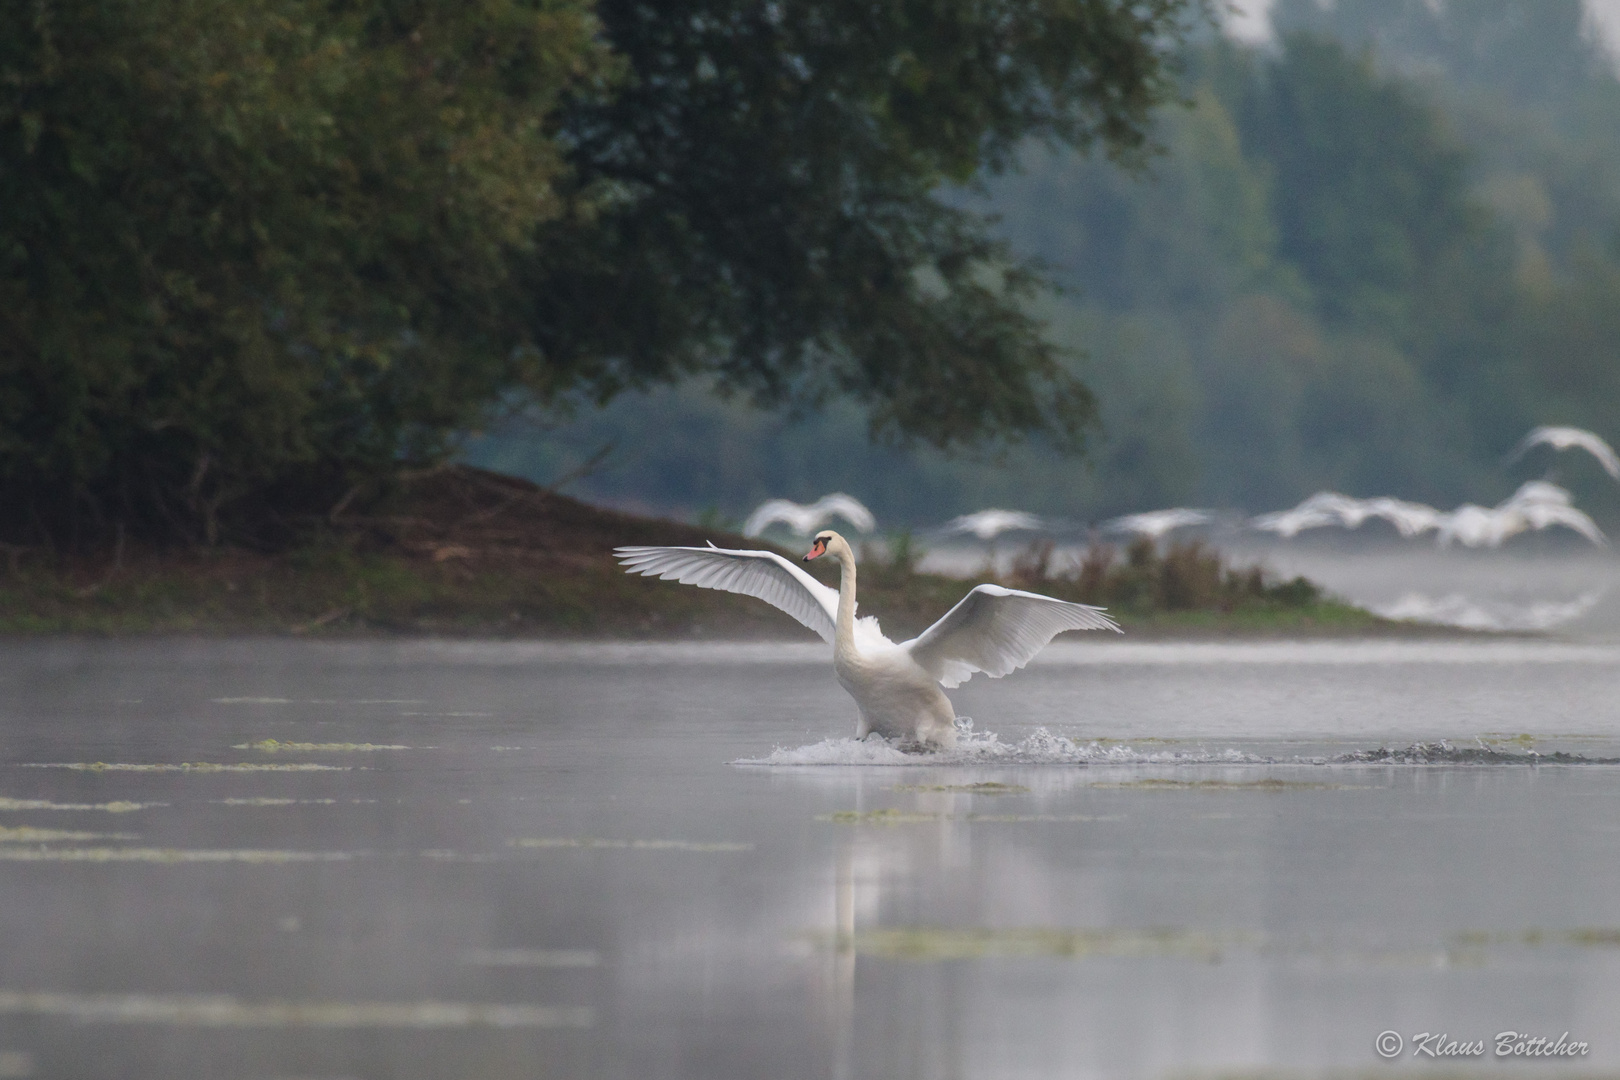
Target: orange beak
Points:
(817, 550)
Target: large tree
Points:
(253, 251)
(776, 173)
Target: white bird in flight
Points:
(989, 524)
(1330, 508)
(896, 687)
(1565, 438)
(1536, 505)
(1156, 523)
(805, 520)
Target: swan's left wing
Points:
(762, 574)
(996, 631)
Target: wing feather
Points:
(764, 575)
(996, 631)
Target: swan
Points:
(1155, 524)
(896, 687)
(989, 524)
(1564, 438)
(805, 520)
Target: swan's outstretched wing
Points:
(762, 574)
(997, 630)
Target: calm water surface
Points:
(505, 860)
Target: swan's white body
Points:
(896, 687)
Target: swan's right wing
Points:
(996, 631)
(761, 574)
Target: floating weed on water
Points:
(24, 834)
(983, 943)
(311, 701)
(548, 842)
(1589, 937)
(1497, 738)
(892, 816)
(446, 855)
(986, 787)
(446, 714)
(1268, 784)
(1022, 818)
(221, 1011)
(106, 807)
(536, 958)
(184, 766)
(1444, 753)
(168, 855)
(261, 801)
(273, 746)
(887, 816)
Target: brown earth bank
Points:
(461, 551)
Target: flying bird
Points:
(1330, 508)
(896, 687)
(805, 520)
(1565, 438)
(989, 524)
(1154, 524)
(1536, 505)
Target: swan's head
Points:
(823, 540)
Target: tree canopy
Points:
(253, 252)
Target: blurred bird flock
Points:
(1372, 251)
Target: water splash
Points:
(1040, 747)
(1444, 753)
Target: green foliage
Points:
(253, 252)
(1338, 274)
(1188, 576)
(777, 222)
(248, 242)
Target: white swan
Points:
(1564, 438)
(896, 687)
(805, 520)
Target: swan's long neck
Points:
(844, 639)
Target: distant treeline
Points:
(1371, 255)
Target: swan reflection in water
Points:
(896, 687)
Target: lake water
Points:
(278, 859)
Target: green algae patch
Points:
(262, 801)
(168, 856)
(46, 804)
(272, 746)
(987, 787)
(543, 843)
(24, 834)
(888, 816)
(1227, 785)
(185, 766)
(1587, 937)
(223, 1011)
(911, 817)
(922, 943)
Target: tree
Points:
(254, 251)
(249, 248)
(776, 214)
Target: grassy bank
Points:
(463, 552)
